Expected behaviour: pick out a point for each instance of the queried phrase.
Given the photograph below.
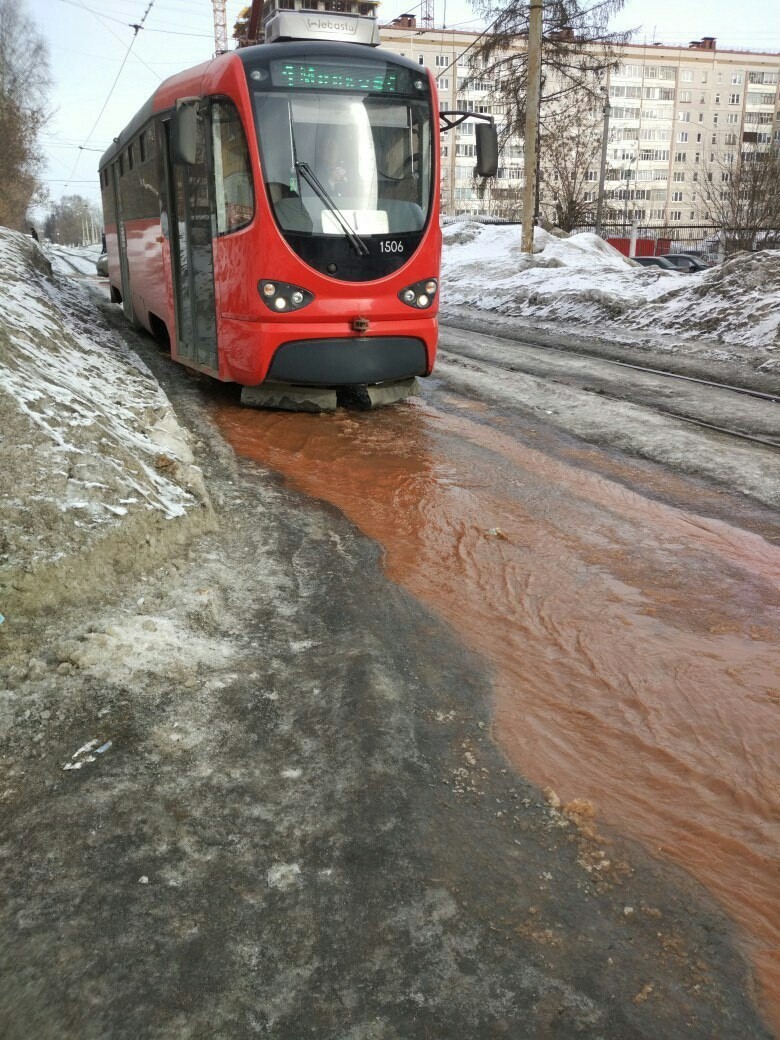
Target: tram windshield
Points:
(369, 149)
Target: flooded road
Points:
(635, 644)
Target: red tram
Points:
(274, 213)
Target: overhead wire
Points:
(113, 85)
(101, 18)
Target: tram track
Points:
(77, 271)
(703, 403)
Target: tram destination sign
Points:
(366, 78)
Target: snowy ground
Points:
(96, 466)
(734, 308)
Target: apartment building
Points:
(676, 115)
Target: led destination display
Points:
(312, 75)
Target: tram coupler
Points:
(290, 398)
(367, 397)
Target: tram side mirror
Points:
(185, 132)
(487, 150)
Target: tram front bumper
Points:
(348, 361)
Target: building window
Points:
(441, 61)
(734, 99)
(686, 76)
(679, 176)
(684, 117)
(421, 59)
(720, 77)
(704, 77)
(715, 119)
(677, 196)
(676, 214)
(682, 137)
(736, 78)
(684, 96)
(680, 156)
(444, 83)
(717, 99)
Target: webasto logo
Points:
(331, 25)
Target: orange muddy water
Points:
(635, 646)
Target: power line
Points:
(101, 18)
(172, 32)
(75, 3)
(113, 85)
(131, 25)
(470, 46)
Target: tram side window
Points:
(234, 193)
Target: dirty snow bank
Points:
(97, 471)
(584, 279)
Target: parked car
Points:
(101, 265)
(656, 261)
(686, 262)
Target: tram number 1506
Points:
(391, 245)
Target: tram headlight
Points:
(282, 296)
(419, 295)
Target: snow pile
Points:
(583, 279)
(90, 443)
(736, 302)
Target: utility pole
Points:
(603, 171)
(534, 83)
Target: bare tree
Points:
(570, 149)
(66, 219)
(740, 193)
(578, 49)
(24, 79)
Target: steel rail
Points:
(773, 398)
(766, 442)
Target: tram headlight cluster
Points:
(420, 295)
(282, 296)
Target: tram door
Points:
(192, 258)
(121, 241)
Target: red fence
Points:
(644, 246)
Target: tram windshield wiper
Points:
(314, 182)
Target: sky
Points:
(89, 39)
